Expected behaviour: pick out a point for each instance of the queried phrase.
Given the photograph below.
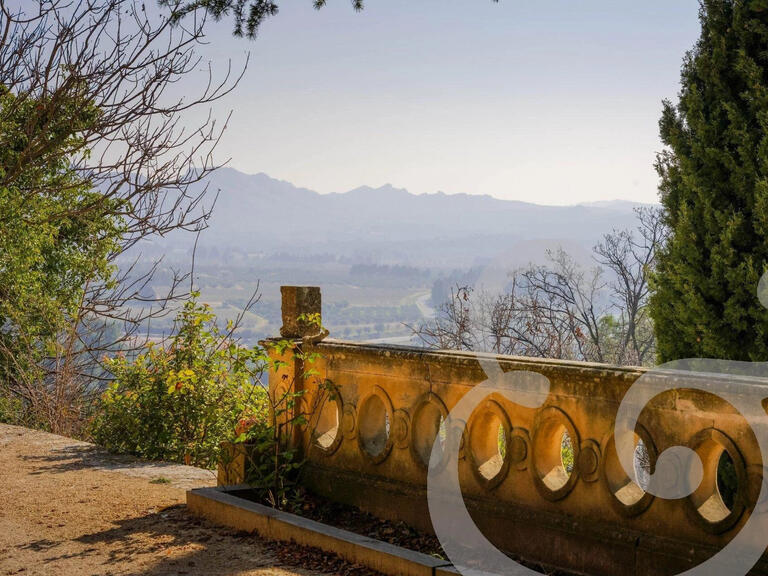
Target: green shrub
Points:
(11, 409)
(181, 401)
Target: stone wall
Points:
(369, 446)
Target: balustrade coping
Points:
(415, 352)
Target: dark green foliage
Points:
(727, 481)
(248, 14)
(52, 242)
(714, 188)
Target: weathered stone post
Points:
(299, 301)
(300, 306)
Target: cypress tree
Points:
(714, 188)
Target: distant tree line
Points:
(389, 275)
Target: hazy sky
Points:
(549, 101)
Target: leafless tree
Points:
(630, 257)
(452, 329)
(570, 297)
(139, 68)
(562, 310)
(523, 321)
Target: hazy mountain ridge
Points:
(259, 214)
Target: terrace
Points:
(543, 484)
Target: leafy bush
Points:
(10, 409)
(181, 401)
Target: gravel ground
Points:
(69, 508)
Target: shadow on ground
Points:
(170, 542)
(183, 544)
(76, 457)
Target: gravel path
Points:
(69, 508)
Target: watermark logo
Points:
(678, 472)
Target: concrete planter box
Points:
(222, 506)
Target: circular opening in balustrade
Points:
(555, 465)
(555, 453)
(489, 436)
(631, 495)
(374, 424)
(429, 425)
(717, 500)
(326, 429)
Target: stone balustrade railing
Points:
(543, 484)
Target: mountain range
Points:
(259, 215)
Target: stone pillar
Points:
(297, 301)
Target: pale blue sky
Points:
(548, 101)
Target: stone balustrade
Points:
(543, 484)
